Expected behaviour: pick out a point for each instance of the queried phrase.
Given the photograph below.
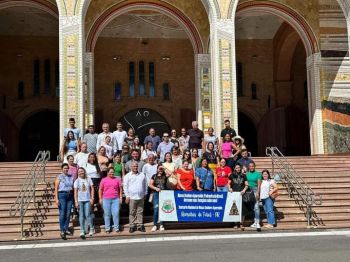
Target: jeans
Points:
(221, 189)
(156, 209)
(65, 206)
(268, 207)
(255, 206)
(85, 214)
(111, 209)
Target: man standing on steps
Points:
(135, 189)
(73, 128)
(90, 139)
(119, 137)
(196, 138)
(164, 147)
(82, 157)
(152, 137)
(102, 136)
(227, 130)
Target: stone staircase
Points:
(326, 175)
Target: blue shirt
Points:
(65, 183)
(72, 145)
(164, 148)
(206, 178)
(155, 141)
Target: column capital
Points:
(202, 58)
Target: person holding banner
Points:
(204, 177)
(157, 184)
(238, 183)
(222, 174)
(185, 177)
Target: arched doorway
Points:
(39, 132)
(272, 81)
(29, 69)
(144, 57)
(247, 130)
(142, 119)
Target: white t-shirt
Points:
(149, 170)
(119, 137)
(109, 150)
(266, 186)
(81, 159)
(83, 186)
(91, 171)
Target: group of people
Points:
(101, 170)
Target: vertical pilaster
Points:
(71, 39)
(223, 55)
(89, 88)
(315, 109)
(203, 91)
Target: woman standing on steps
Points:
(64, 199)
(110, 199)
(84, 198)
(268, 194)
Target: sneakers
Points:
(254, 225)
(132, 229)
(154, 229)
(161, 228)
(82, 235)
(258, 228)
(92, 231)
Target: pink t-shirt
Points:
(110, 187)
(226, 149)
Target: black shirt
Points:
(196, 136)
(211, 157)
(230, 131)
(237, 181)
(159, 181)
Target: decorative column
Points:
(223, 57)
(203, 91)
(71, 42)
(315, 109)
(89, 89)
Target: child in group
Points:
(84, 198)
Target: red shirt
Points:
(222, 175)
(186, 178)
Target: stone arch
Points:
(42, 5)
(293, 18)
(122, 8)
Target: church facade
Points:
(279, 70)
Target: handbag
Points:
(171, 182)
(249, 196)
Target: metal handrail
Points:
(294, 182)
(26, 196)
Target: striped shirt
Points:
(91, 141)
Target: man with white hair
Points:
(196, 138)
(102, 136)
(164, 147)
(135, 189)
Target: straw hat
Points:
(240, 138)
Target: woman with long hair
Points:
(212, 157)
(268, 193)
(176, 157)
(69, 146)
(103, 160)
(187, 157)
(84, 198)
(195, 159)
(204, 177)
(136, 144)
(223, 173)
(93, 171)
(130, 138)
(227, 147)
(169, 166)
(157, 184)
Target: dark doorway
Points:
(39, 132)
(248, 131)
